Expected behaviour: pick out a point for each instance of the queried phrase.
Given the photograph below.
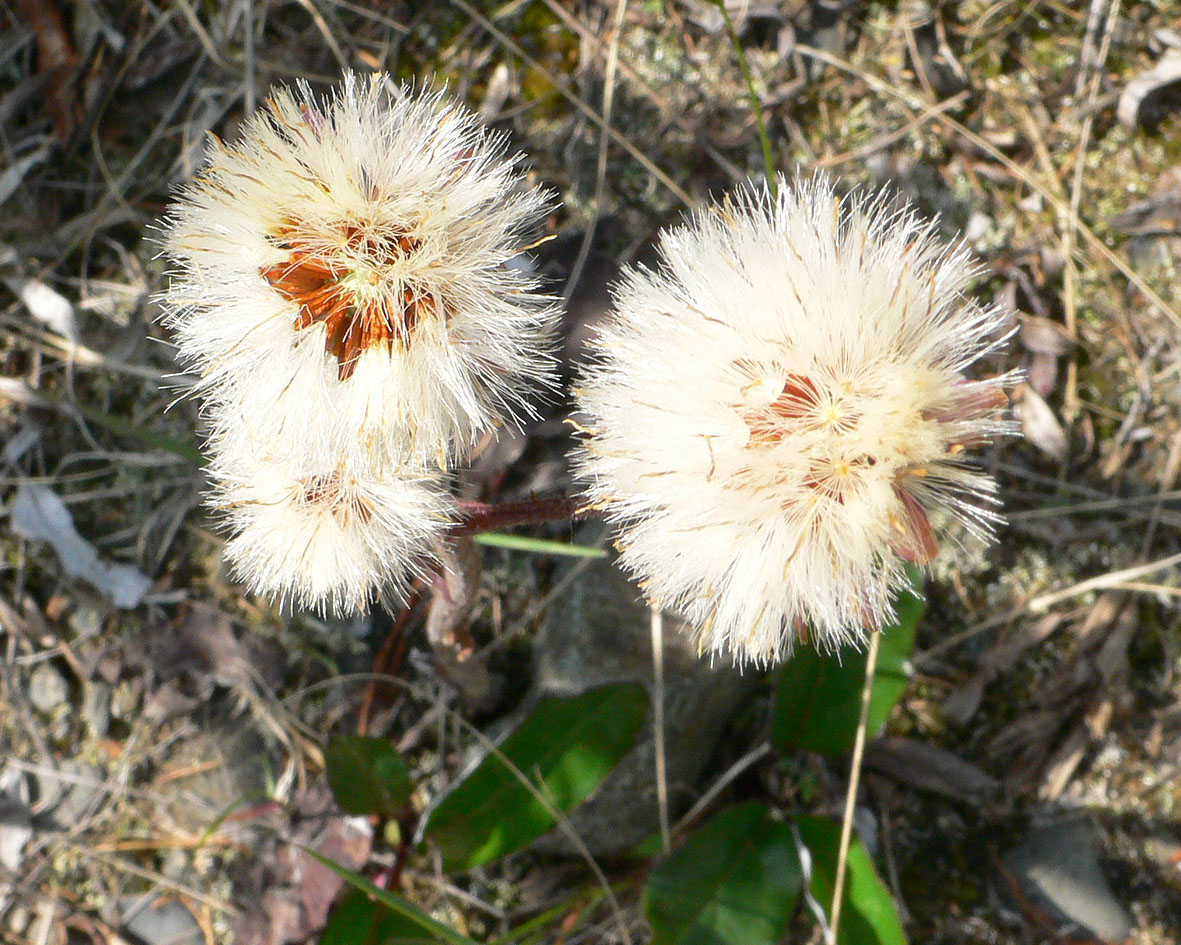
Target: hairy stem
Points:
(476, 517)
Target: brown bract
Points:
(799, 397)
(328, 491)
(317, 281)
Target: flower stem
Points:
(476, 517)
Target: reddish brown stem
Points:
(389, 657)
(476, 517)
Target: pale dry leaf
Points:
(1044, 336)
(39, 514)
(14, 174)
(1042, 373)
(1039, 424)
(47, 305)
(1147, 85)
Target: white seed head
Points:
(348, 265)
(774, 412)
(328, 538)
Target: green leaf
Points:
(734, 882)
(868, 913)
(361, 920)
(539, 546)
(818, 701)
(426, 926)
(565, 747)
(367, 775)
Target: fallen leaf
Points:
(1143, 100)
(57, 61)
(47, 305)
(1044, 336)
(1039, 424)
(927, 767)
(1159, 214)
(964, 700)
(284, 892)
(10, 179)
(39, 514)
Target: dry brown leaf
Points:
(964, 700)
(57, 61)
(285, 892)
(456, 589)
(927, 767)
(1044, 336)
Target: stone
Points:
(598, 633)
(1057, 868)
(16, 822)
(47, 688)
(96, 707)
(157, 920)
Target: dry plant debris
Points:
(161, 742)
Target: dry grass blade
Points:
(577, 102)
(1093, 241)
(1101, 582)
(657, 617)
(601, 167)
(850, 812)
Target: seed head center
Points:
(329, 492)
(770, 423)
(348, 285)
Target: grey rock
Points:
(1057, 868)
(47, 688)
(155, 920)
(85, 620)
(599, 633)
(74, 796)
(96, 708)
(16, 820)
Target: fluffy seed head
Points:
(328, 538)
(776, 411)
(350, 262)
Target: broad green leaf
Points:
(367, 775)
(361, 920)
(868, 913)
(818, 701)
(734, 882)
(565, 747)
(435, 930)
(539, 546)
